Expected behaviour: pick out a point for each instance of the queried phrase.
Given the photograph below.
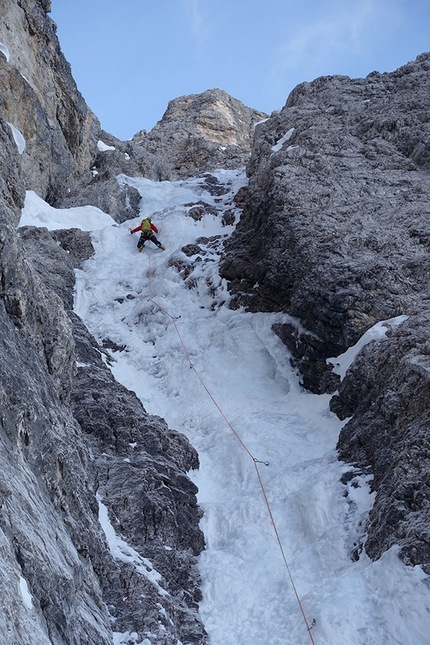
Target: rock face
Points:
(43, 519)
(203, 132)
(334, 227)
(69, 432)
(197, 134)
(334, 232)
(41, 100)
(387, 392)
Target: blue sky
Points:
(130, 57)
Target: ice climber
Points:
(147, 228)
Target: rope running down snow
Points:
(254, 459)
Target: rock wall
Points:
(386, 392)
(202, 132)
(334, 232)
(69, 432)
(198, 133)
(40, 99)
(334, 227)
(43, 518)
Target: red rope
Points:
(255, 461)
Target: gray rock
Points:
(386, 392)
(117, 199)
(40, 98)
(47, 514)
(334, 233)
(203, 132)
(333, 229)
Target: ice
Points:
(18, 138)
(5, 50)
(25, 593)
(248, 595)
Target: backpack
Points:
(145, 226)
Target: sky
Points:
(130, 58)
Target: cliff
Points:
(74, 443)
(197, 134)
(334, 232)
(40, 99)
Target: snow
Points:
(103, 146)
(5, 50)
(18, 138)
(25, 593)
(37, 212)
(247, 591)
(341, 363)
(283, 140)
(127, 638)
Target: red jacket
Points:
(139, 228)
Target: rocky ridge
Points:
(197, 134)
(334, 232)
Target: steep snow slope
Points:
(247, 592)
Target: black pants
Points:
(147, 236)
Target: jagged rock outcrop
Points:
(197, 134)
(202, 132)
(40, 99)
(334, 232)
(387, 393)
(334, 227)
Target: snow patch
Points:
(344, 361)
(103, 146)
(37, 212)
(5, 50)
(120, 550)
(281, 142)
(18, 138)
(128, 638)
(25, 593)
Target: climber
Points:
(146, 228)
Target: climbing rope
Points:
(248, 452)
